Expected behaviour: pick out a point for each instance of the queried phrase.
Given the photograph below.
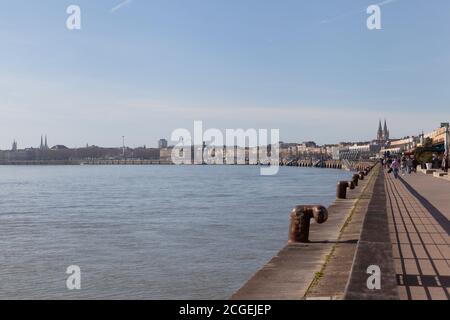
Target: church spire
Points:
(385, 131)
(14, 145)
(46, 145)
(379, 132)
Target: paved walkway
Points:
(336, 271)
(419, 210)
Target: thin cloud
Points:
(121, 5)
(386, 2)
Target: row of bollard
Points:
(341, 189)
(301, 215)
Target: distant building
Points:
(59, 147)
(382, 133)
(309, 149)
(162, 144)
(14, 146)
(439, 138)
(309, 144)
(336, 152)
(44, 144)
(398, 146)
(355, 151)
(165, 154)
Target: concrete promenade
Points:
(418, 208)
(401, 225)
(298, 268)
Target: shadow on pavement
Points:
(439, 216)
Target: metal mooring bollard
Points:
(341, 189)
(351, 185)
(361, 175)
(300, 221)
(355, 179)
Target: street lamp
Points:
(446, 146)
(447, 138)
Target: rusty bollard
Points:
(341, 190)
(300, 221)
(355, 179)
(351, 185)
(361, 175)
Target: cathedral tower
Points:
(379, 132)
(385, 132)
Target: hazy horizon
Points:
(142, 69)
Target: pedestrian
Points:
(395, 166)
(435, 162)
(415, 164)
(445, 162)
(388, 164)
(409, 165)
(403, 164)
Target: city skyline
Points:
(142, 70)
(382, 136)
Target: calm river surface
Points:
(146, 232)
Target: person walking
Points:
(415, 164)
(435, 161)
(403, 165)
(445, 162)
(409, 165)
(395, 167)
(389, 162)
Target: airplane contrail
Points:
(385, 2)
(346, 14)
(120, 5)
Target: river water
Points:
(146, 232)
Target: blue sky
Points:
(310, 68)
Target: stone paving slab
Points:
(374, 249)
(419, 211)
(335, 276)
